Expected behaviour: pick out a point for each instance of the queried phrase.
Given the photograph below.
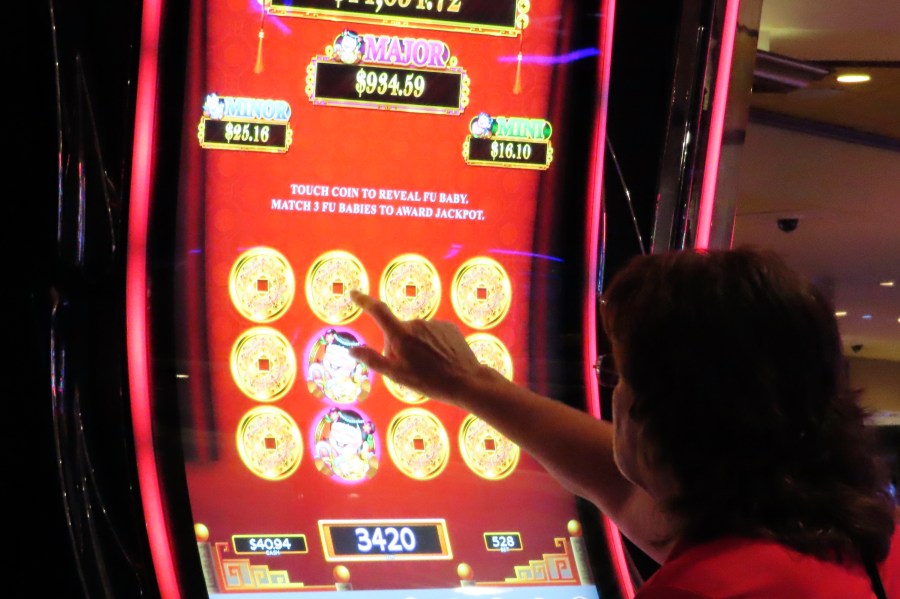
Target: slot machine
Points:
(443, 155)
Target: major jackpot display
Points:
(404, 148)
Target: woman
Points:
(737, 456)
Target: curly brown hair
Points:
(740, 386)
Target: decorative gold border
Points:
(215, 145)
(472, 463)
(500, 164)
(395, 452)
(521, 19)
(440, 525)
(295, 434)
(464, 90)
(269, 536)
(289, 278)
(504, 282)
(291, 363)
(363, 280)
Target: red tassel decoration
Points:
(517, 87)
(262, 34)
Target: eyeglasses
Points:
(607, 373)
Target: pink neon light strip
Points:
(717, 123)
(614, 539)
(136, 301)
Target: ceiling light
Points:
(853, 78)
(886, 283)
(840, 313)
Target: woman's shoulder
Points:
(890, 568)
(742, 567)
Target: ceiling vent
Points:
(776, 74)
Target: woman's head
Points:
(738, 388)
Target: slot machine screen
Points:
(436, 154)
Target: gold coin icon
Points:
(328, 284)
(481, 293)
(261, 284)
(418, 444)
(490, 351)
(411, 288)
(269, 443)
(263, 364)
(403, 393)
(485, 451)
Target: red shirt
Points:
(760, 569)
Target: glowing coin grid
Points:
(261, 285)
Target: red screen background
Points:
(227, 208)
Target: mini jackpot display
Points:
(416, 150)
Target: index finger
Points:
(383, 316)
